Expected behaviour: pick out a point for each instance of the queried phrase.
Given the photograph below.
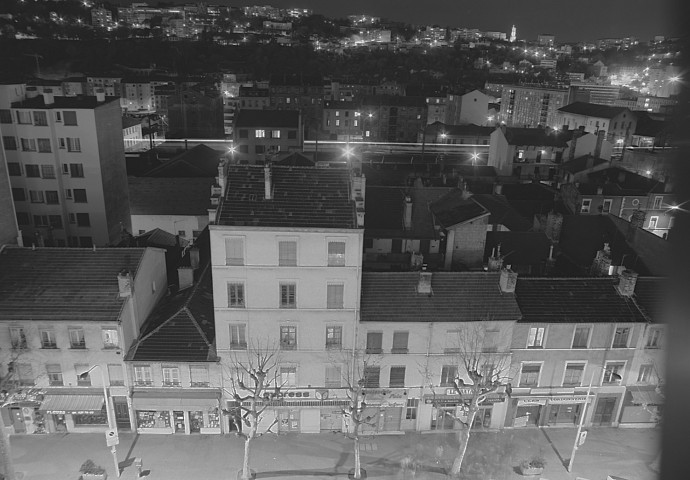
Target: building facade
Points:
(529, 107)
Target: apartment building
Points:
(531, 106)
(258, 133)
(342, 121)
(394, 118)
(619, 123)
(65, 158)
(64, 312)
(286, 254)
(9, 229)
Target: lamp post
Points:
(582, 417)
(112, 425)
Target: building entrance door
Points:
(60, 424)
(289, 421)
(179, 422)
(18, 420)
(121, 413)
(603, 414)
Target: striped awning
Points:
(79, 404)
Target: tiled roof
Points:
(652, 297)
(592, 110)
(502, 212)
(169, 196)
(78, 102)
(181, 328)
(130, 121)
(456, 297)
(302, 197)
(580, 164)
(518, 248)
(200, 161)
(267, 118)
(393, 100)
(63, 283)
(538, 137)
(459, 130)
(453, 209)
(159, 238)
(574, 300)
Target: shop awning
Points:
(80, 404)
(157, 400)
(646, 397)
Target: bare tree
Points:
(481, 362)
(254, 383)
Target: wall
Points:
(9, 231)
(468, 243)
(498, 153)
(474, 108)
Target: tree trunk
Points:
(246, 472)
(358, 465)
(5, 452)
(464, 437)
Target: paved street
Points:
(617, 452)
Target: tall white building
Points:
(65, 159)
(513, 34)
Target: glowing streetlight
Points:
(475, 157)
(348, 151)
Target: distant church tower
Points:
(513, 34)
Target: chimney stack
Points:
(495, 260)
(100, 95)
(601, 135)
(424, 285)
(185, 277)
(626, 283)
(577, 133)
(507, 280)
(124, 283)
(31, 92)
(194, 257)
(407, 213)
(48, 96)
(268, 183)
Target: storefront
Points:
(641, 407)
(386, 408)
(84, 413)
(24, 417)
(444, 409)
(162, 411)
(539, 411)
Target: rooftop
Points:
(200, 161)
(502, 212)
(538, 137)
(453, 209)
(160, 238)
(267, 118)
(63, 283)
(302, 197)
(592, 110)
(79, 102)
(456, 297)
(574, 300)
(518, 248)
(169, 196)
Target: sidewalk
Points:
(608, 451)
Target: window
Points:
(73, 145)
(535, 338)
(199, 375)
(76, 170)
(336, 254)
(657, 202)
(18, 194)
(76, 338)
(48, 339)
(28, 144)
(23, 218)
(18, 338)
(80, 368)
(288, 376)
(334, 338)
(371, 376)
(411, 408)
(397, 378)
(287, 253)
(33, 171)
(586, 203)
(234, 251)
(70, 118)
(236, 295)
(44, 145)
(654, 338)
(645, 374)
(54, 372)
(36, 196)
(10, 143)
(182, 233)
(260, 133)
(61, 143)
(259, 149)
(171, 376)
(337, 113)
(335, 295)
(573, 374)
(275, 133)
(110, 338)
(333, 377)
(116, 375)
(47, 171)
(72, 219)
(79, 195)
(5, 116)
(581, 337)
(24, 117)
(83, 220)
(374, 342)
(613, 373)
(238, 338)
(400, 342)
(607, 206)
(288, 295)
(65, 169)
(41, 220)
(288, 337)
(52, 197)
(620, 337)
(58, 117)
(653, 222)
(25, 374)
(448, 375)
(55, 221)
(142, 375)
(337, 123)
(529, 376)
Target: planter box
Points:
(531, 470)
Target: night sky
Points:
(570, 20)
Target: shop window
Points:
(400, 339)
(334, 338)
(529, 376)
(397, 377)
(448, 375)
(371, 376)
(153, 419)
(199, 375)
(54, 372)
(334, 295)
(333, 377)
(411, 408)
(91, 419)
(374, 342)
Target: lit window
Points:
(111, 338)
(260, 133)
(536, 337)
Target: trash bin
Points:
(139, 464)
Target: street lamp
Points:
(584, 411)
(112, 425)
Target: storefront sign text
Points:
(531, 401)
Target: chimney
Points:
(600, 190)
(222, 176)
(601, 266)
(626, 283)
(573, 142)
(31, 92)
(124, 283)
(424, 285)
(600, 141)
(498, 189)
(185, 277)
(268, 183)
(194, 257)
(100, 95)
(407, 213)
(48, 96)
(495, 260)
(507, 280)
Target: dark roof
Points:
(502, 213)
(456, 297)
(592, 110)
(78, 102)
(574, 300)
(169, 196)
(267, 118)
(159, 238)
(181, 328)
(452, 209)
(581, 164)
(63, 283)
(302, 197)
(130, 121)
(618, 181)
(518, 248)
(652, 297)
(394, 100)
(649, 126)
(530, 199)
(471, 130)
(539, 137)
(295, 159)
(200, 161)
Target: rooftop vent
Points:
(508, 280)
(424, 285)
(124, 283)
